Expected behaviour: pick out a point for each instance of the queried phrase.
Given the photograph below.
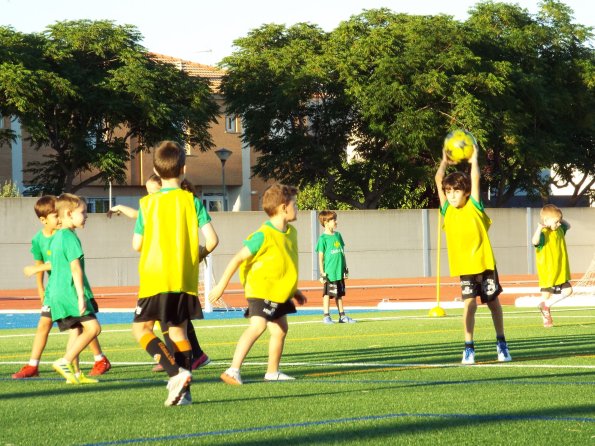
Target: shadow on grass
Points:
(389, 428)
(450, 352)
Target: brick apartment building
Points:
(204, 170)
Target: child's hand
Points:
(29, 271)
(114, 210)
(346, 273)
(300, 298)
(215, 294)
(323, 278)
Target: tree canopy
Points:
(83, 88)
(360, 112)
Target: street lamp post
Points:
(223, 154)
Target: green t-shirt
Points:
(40, 248)
(65, 248)
(256, 239)
(332, 248)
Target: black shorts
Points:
(334, 289)
(485, 285)
(168, 308)
(46, 311)
(269, 310)
(70, 322)
(556, 289)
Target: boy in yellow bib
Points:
(166, 235)
(470, 254)
(551, 257)
(268, 265)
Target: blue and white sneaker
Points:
(503, 353)
(327, 320)
(468, 356)
(346, 320)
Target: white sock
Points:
(34, 362)
(98, 357)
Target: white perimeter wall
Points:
(379, 244)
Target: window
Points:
(213, 202)
(99, 205)
(231, 124)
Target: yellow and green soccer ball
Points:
(458, 145)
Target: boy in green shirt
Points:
(71, 299)
(332, 266)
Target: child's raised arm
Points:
(440, 176)
(230, 270)
(475, 174)
(536, 239)
(121, 209)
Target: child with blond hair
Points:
(551, 257)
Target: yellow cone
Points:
(437, 312)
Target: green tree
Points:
(542, 114)
(84, 88)
(9, 189)
(361, 110)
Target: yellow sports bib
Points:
(553, 267)
(469, 248)
(272, 273)
(169, 254)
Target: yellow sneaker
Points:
(84, 380)
(65, 369)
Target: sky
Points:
(204, 30)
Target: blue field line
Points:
(344, 420)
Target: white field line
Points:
(380, 365)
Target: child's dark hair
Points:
(154, 178)
(457, 181)
(169, 160)
(45, 206)
(276, 195)
(188, 186)
(325, 216)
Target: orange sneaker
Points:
(28, 371)
(100, 367)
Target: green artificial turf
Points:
(391, 378)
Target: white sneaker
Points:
(186, 399)
(277, 376)
(177, 386)
(503, 353)
(468, 356)
(231, 376)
